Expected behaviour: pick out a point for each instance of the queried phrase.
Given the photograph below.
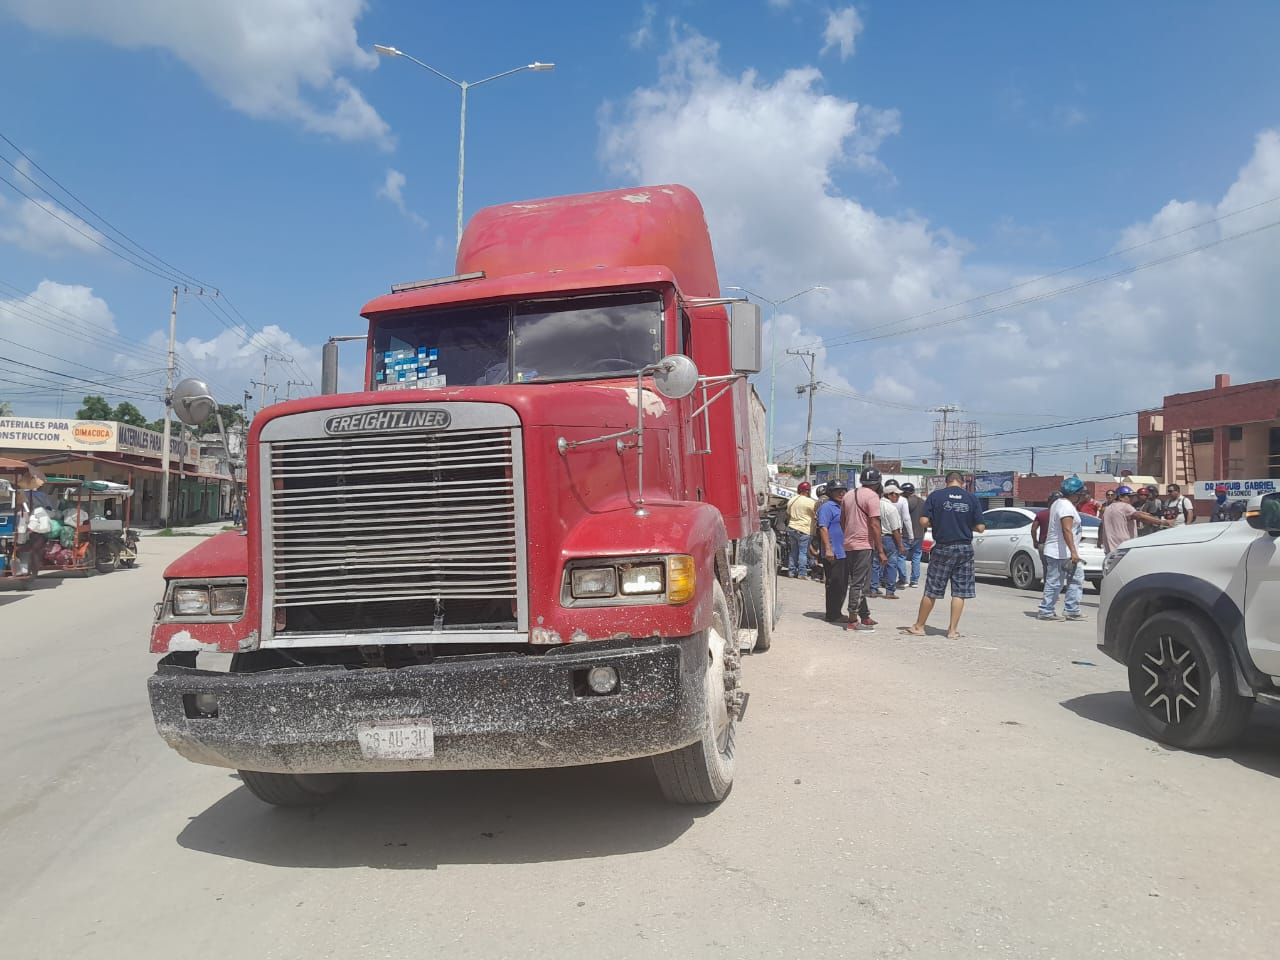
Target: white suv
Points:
(1194, 613)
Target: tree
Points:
(232, 417)
(95, 408)
(126, 412)
(6, 408)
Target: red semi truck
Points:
(535, 538)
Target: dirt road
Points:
(895, 797)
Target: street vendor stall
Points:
(93, 531)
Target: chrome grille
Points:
(404, 533)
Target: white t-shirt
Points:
(1054, 545)
(1179, 506)
(890, 518)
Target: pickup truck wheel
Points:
(1182, 681)
(293, 789)
(760, 590)
(703, 772)
(1022, 571)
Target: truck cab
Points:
(531, 538)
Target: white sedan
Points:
(1005, 549)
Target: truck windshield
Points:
(562, 338)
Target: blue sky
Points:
(908, 156)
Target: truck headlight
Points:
(593, 582)
(641, 578)
(228, 600)
(668, 579)
(218, 598)
(1112, 559)
(191, 601)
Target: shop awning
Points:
(125, 464)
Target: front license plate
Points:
(397, 739)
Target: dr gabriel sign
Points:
(387, 421)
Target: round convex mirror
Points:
(675, 376)
(192, 403)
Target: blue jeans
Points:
(889, 569)
(914, 553)
(903, 565)
(798, 557)
(1054, 574)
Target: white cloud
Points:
(843, 27)
(42, 226)
(393, 189)
(45, 337)
(768, 160)
(642, 35)
(267, 58)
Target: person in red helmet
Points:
(800, 515)
(1221, 506)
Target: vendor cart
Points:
(94, 531)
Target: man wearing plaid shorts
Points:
(954, 514)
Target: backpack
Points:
(1176, 507)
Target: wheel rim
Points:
(1022, 571)
(1173, 690)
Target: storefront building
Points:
(1228, 435)
(102, 450)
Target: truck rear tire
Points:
(293, 789)
(760, 589)
(702, 772)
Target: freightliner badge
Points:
(387, 421)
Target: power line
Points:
(155, 260)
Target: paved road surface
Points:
(895, 797)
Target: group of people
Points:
(870, 540)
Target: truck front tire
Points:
(293, 789)
(1182, 681)
(702, 772)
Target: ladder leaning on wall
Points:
(1184, 457)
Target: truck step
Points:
(737, 572)
(747, 639)
(1263, 696)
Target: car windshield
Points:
(564, 338)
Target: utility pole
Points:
(807, 356)
(168, 408)
(1033, 461)
(837, 452)
(945, 410)
(295, 383)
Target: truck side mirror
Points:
(675, 376)
(192, 403)
(744, 337)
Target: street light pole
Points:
(463, 86)
(773, 343)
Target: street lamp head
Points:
(539, 65)
(387, 51)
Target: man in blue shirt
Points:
(833, 556)
(954, 514)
